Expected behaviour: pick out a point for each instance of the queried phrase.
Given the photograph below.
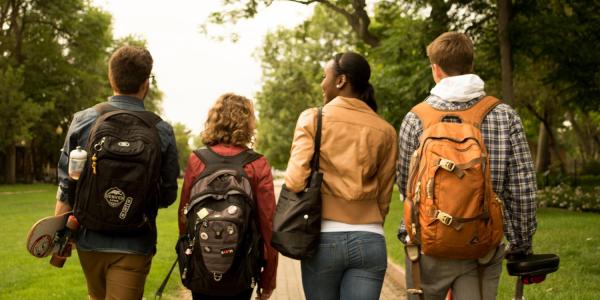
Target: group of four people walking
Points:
(361, 158)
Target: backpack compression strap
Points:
(213, 161)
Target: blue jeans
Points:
(348, 265)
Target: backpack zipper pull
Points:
(98, 148)
(94, 158)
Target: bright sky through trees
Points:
(191, 68)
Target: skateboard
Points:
(531, 269)
(51, 235)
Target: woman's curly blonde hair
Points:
(230, 121)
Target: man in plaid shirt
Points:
(513, 176)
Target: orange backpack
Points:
(451, 210)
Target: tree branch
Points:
(358, 19)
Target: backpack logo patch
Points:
(125, 209)
(114, 197)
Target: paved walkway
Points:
(289, 279)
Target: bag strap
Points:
(473, 115)
(213, 160)
(314, 162)
(148, 117)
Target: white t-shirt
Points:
(335, 226)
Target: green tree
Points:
(58, 48)
(182, 138)
(292, 71)
(354, 12)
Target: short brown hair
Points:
(230, 121)
(453, 52)
(128, 68)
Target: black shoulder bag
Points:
(297, 220)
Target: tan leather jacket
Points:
(358, 157)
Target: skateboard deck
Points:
(48, 235)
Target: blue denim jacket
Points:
(78, 136)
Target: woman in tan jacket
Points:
(358, 156)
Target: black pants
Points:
(244, 295)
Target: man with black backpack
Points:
(466, 173)
(131, 170)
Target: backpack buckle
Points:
(447, 164)
(414, 291)
(443, 217)
(217, 276)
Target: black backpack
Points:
(221, 253)
(118, 188)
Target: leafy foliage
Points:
(182, 138)
(292, 71)
(53, 58)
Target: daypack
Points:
(118, 188)
(221, 252)
(451, 210)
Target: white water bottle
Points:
(77, 160)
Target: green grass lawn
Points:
(23, 276)
(573, 236)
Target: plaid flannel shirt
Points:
(512, 171)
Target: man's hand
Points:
(518, 252)
(61, 208)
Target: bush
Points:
(591, 168)
(564, 196)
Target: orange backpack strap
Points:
(427, 114)
(473, 115)
(477, 113)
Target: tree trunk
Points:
(28, 164)
(543, 150)
(585, 142)
(10, 171)
(504, 16)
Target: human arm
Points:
(298, 167)
(169, 168)
(77, 135)
(193, 168)
(265, 200)
(386, 172)
(408, 142)
(520, 189)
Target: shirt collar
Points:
(127, 100)
(351, 103)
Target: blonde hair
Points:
(230, 121)
(453, 52)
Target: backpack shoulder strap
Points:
(212, 159)
(427, 114)
(148, 117)
(473, 115)
(477, 113)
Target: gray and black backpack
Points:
(118, 188)
(221, 253)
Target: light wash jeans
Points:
(348, 265)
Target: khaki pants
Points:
(439, 274)
(115, 276)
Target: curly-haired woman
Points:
(229, 130)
